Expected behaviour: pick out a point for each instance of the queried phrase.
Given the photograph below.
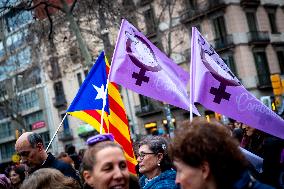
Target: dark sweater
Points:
(66, 169)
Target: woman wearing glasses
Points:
(155, 164)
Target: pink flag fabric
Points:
(217, 88)
(139, 65)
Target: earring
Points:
(159, 164)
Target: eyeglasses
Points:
(143, 154)
(24, 153)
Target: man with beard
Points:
(30, 148)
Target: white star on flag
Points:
(100, 91)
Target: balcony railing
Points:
(223, 42)
(59, 101)
(258, 37)
(147, 109)
(263, 81)
(250, 3)
(201, 9)
(65, 134)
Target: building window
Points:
(280, 56)
(252, 22)
(32, 118)
(7, 150)
(5, 130)
(272, 21)
(17, 19)
(65, 122)
(262, 68)
(86, 72)
(79, 78)
(191, 4)
(29, 100)
(46, 138)
(229, 60)
(219, 27)
(150, 21)
(58, 89)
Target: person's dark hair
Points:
(34, 139)
(158, 144)
(62, 155)
(201, 141)
(21, 171)
(89, 159)
(70, 149)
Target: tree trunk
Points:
(75, 28)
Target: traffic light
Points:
(276, 84)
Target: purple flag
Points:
(139, 65)
(217, 88)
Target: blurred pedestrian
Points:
(47, 178)
(63, 156)
(31, 150)
(17, 175)
(206, 157)
(155, 164)
(71, 151)
(5, 183)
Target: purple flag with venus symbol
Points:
(139, 65)
(217, 88)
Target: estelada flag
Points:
(88, 103)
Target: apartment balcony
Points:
(249, 3)
(142, 111)
(203, 8)
(65, 135)
(263, 81)
(223, 43)
(258, 38)
(59, 101)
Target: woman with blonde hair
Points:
(47, 178)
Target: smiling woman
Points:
(104, 166)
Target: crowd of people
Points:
(201, 155)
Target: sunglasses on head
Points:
(99, 138)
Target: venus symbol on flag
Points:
(142, 55)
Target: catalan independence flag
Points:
(88, 103)
(118, 123)
(87, 107)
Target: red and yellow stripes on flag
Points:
(118, 123)
(92, 117)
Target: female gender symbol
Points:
(142, 55)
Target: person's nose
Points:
(118, 173)
(177, 179)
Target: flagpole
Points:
(55, 133)
(191, 82)
(106, 89)
(103, 109)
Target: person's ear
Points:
(88, 178)
(160, 157)
(39, 146)
(205, 170)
